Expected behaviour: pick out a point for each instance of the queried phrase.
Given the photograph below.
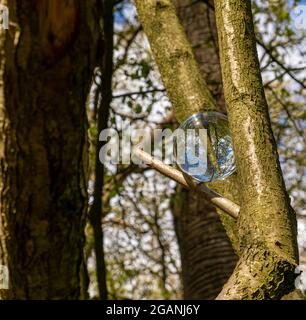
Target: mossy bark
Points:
(186, 87)
(47, 58)
(267, 223)
(174, 58)
(266, 233)
(104, 94)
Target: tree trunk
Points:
(47, 59)
(267, 223)
(266, 227)
(103, 101)
(207, 255)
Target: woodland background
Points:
(145, 237)
(141, 232)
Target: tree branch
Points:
(142, 93)
(182, 78)
(95, 212)
(286, 69)
(226, 205)
(267, 223)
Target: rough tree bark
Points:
(47, 58)
(267, 223)
(207, 256)
(268, 251)
(104, 98)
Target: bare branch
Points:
(223, 203)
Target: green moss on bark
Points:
(267, 223)
(180, 73)
(174, 58)
(266, 236)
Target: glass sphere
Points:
(205, 150)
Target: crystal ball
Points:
(204, 149)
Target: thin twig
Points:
(128, 94)
(219, 201)
(274, 59)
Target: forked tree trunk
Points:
(266, 227)
(207, 255)
(47, 59)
